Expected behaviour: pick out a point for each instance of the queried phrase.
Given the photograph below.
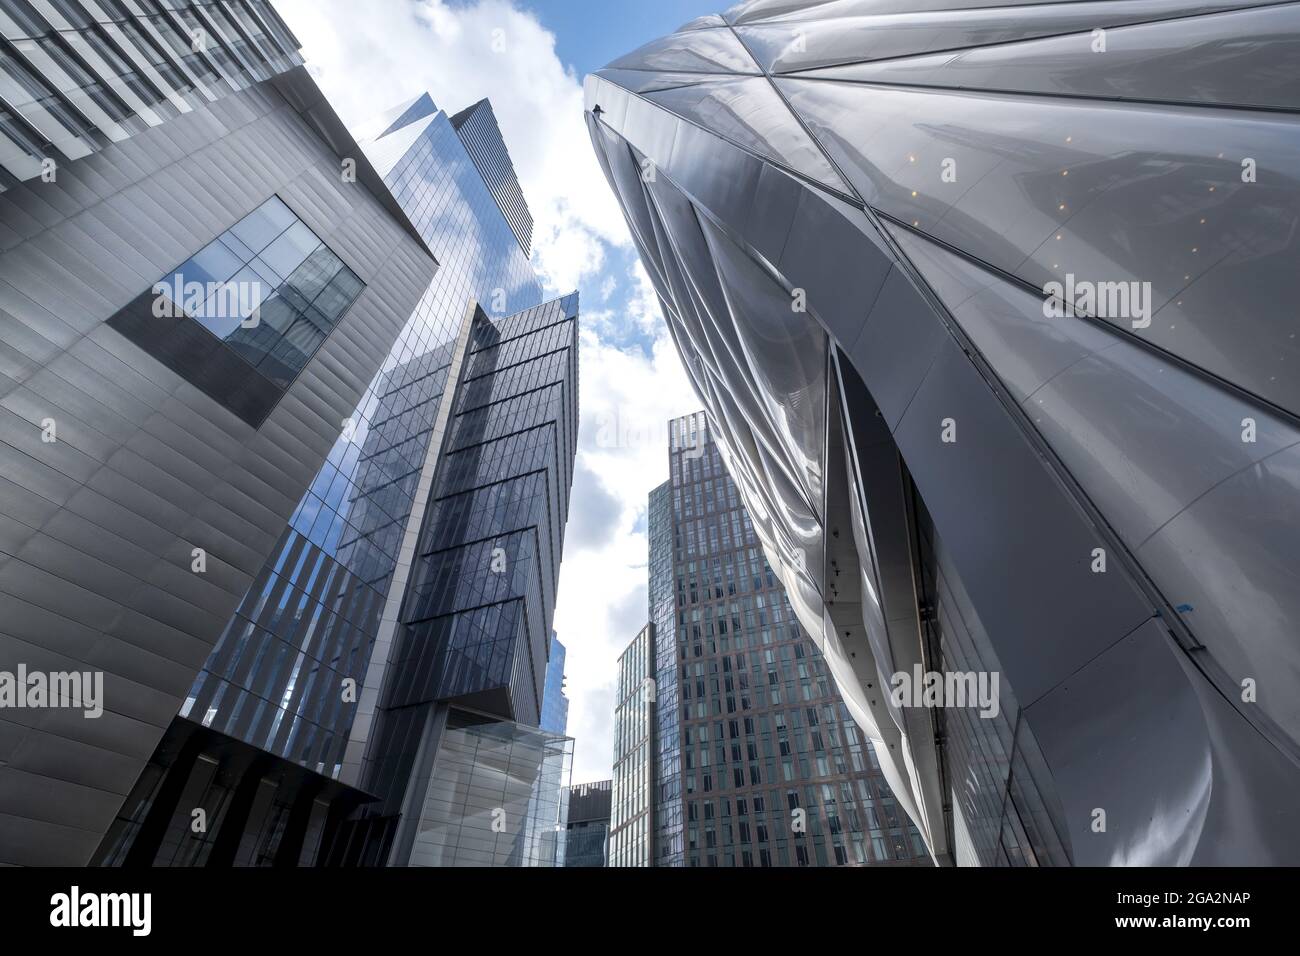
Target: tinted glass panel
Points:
(236, 288)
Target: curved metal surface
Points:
(838, 310)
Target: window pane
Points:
(293, 246)
(278, 314)
(213, 263)
(339, 295)
(311, 278)
(260, 227)
(241, 275)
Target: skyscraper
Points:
(983, 301)
(632, 801)
(586, 836)
(773, 770)
(555, 703)
(154, 443)
(476, 623)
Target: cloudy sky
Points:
(529, 59)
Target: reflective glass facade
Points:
(631, 837)
(666, 780)
(555, 705)
(477, 128)
(586, 838)
(475, 624)
(1012, 248)
(309, 623)
(498, 796)
(206, 799)
(774, 770)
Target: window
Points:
(243, 316)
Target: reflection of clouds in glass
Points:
(362, 497)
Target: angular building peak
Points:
(422, 107)
(477, 127)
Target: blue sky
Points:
(529, 58)
(591, 33)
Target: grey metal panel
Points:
(777, 194)
(31, 842)
(750, 113)
(750, 10)
(1228, 59)
(1000, 508)
(699, 51)
(1148, 439)
(1244, 609)
(1181, 776)
(1142, 755)
(836, 263)
(638, 81)
(786, 360)
(837, 36)
(1154, 445)
(1047, 189)
(899, 342)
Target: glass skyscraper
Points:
(632, 801)
(586, 836)
(476, 624)
(770, 768)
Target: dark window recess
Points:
(243, 316)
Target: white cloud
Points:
(643, 307)
(391, 52)
(627, 398)
(370, 57)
